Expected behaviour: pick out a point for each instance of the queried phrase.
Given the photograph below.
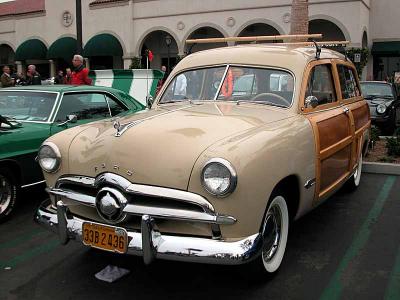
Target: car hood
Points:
(162, 149)
(24, 139)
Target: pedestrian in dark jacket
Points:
(5, 79)
(59, 79)
(33, 77)
(80, 75)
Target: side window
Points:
(84, 106)
(348, 82)
(115, 107)
(320, 84)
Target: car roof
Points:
(62, 88)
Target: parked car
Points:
(209, 175)
(384, 104)
(29, 115)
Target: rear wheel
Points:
(8, 193)
(354, 181)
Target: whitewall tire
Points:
(275, 232)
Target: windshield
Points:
(232, 83)
(27, 106)
(376, 89)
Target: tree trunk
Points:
(299, 19)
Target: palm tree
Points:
(299, 18)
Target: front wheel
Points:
(8, 193)
(274, 232)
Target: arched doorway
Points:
(6, 56)
(34, 51)
(164, 48)
(203, 33)
(330, 31)
(364, 42)
(61, 51)
(104, 52)
(258, 29)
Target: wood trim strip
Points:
(335, 148)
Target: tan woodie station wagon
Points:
(239, 142)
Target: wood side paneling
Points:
(334, 167)
(333, 130)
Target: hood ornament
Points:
(117, 126)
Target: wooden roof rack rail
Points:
(260, 38)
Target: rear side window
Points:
(320, 84)
(348, 82)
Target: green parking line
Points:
(335, 286)
(53, 243)
(393, 289)
(22, 238)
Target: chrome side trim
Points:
(310, 183)
(32, 184)
(160, 246)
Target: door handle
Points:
(346, 110)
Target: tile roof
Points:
(18, 7)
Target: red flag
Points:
(150, 55)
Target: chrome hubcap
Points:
(5, 193)
(272, 233)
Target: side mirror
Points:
(311, 101)
(70, 119)
(149, 101)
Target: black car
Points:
(384, 104)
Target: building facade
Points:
(117, 33)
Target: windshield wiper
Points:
(260, 102)
(7, 121)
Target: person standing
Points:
(5, 79)
(68, 76)
(59, 79)
(32, 76)
(80, 75)
(162, 80)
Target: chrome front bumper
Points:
(150, 244)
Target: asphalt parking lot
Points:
(348, 248)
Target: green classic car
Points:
(29, 115)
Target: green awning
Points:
(103, 45)
(62, 48)
(386, 48)
(31, 49)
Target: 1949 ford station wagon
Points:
(240, 141)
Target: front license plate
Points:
(105, 237)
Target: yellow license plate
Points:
(105, 237)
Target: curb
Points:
(381, 168)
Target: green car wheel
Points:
(8, 193)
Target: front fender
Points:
(262, 158)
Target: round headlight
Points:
(381, 108)
(49, 157)
(219, 177)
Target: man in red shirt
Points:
(80, 75)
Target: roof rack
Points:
(276, 38)
(259, 38)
